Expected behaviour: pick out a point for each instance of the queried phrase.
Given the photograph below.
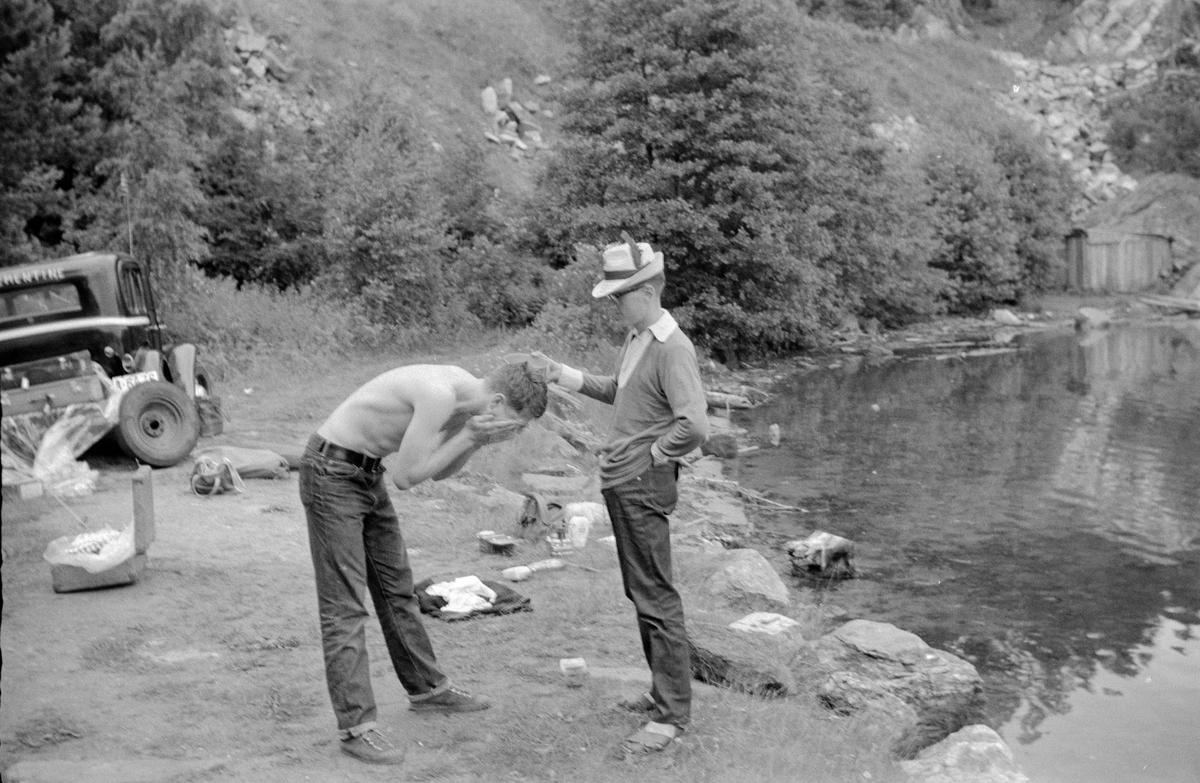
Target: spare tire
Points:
(158, 424)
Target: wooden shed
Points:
(1116, 261)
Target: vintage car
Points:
(84, 329)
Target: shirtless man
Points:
(433, 418)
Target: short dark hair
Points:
(523, 387)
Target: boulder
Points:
(1092, 318)
(823, 556)
(770, 623)
(749, 662)
(277, 67)
(251, 42)
(974, 754)
(1006, 317)
(257, 65)
(887, 661)
(747, 574)
(487, 97)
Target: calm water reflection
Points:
(1037, 512)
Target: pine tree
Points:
(696, 126)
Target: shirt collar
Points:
(663, 327)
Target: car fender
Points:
(148, 360)
(181, 365)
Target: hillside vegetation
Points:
(798, 163)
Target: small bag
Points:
(210, 477)
(540, 518)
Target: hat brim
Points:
(608, 287)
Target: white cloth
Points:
(660, 330)
(463, 595)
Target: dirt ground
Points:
(209, 668)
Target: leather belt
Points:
(334, 451)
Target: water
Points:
(1036, 512)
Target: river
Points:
(1036, 512)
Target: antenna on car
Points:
(128, 215)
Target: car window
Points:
(133, 290)
(29, 304)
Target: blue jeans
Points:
(638, 509)
(355, 540)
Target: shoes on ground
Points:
(652, 738)
(450, 700)
(373, 748)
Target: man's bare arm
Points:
(425, 451)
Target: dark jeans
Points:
(638, 510)
(355, 540)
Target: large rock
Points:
(975, 754)
(1092, 318)
(747, 574)
(754, 663)
(887, 661)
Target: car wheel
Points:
(157, 424)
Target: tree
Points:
(704, 127)
(43, 128)
(683, 129)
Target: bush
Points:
(499, 285)
(387, 240)
(868, 14)
(1040, 191)
(977, 249)
(237, 327)
(1157, 128)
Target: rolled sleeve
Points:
(570, 379)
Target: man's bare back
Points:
(433, 416)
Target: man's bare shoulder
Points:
(422, 378)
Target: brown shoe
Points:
(450, 700)
(371, 747)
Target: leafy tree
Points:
(160, 79)
(263, 212)
(43, 125)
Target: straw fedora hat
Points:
(624, 269)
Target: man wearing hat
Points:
(659, 415)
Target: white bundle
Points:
(92, 543)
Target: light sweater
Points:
(659, 410)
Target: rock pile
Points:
(511, 122)
(1108, 29)
(1064, 104)
(261, 76)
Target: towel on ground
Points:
(504, 600)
